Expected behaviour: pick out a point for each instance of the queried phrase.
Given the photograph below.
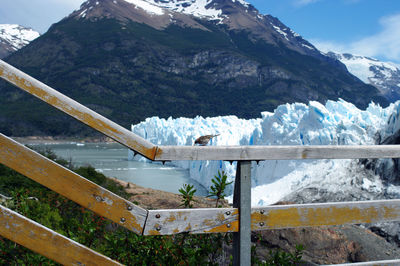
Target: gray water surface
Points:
(111, 160)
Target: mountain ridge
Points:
(383, 75)
(236, 14)
(128, 70)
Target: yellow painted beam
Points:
(71, 185)
(46, 242)
(77, 110)
(193, 221)
(319, 214)
(217, 220)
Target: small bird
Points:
(203, 140)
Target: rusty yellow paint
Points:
(172, 218)
(194, 221)
(71, 185)
(209, 222)
(221, 217)
(188, 227)
(390, 213)
(307, 215)
(46, 242)
(224, 228)
(76, 110)
(154, 233)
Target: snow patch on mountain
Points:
(335, 123)
(197, 8)
(16, 36)
(244, 3)
(146, 6)
(280, 31)
(383, 75)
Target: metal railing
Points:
(241, 219)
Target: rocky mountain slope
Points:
(384, 76)
(132, 59)
(14, 37)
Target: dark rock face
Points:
(5, 49)
(112, 59)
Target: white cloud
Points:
(384, 44)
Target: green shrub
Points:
(79, 224)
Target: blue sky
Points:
(365, 27)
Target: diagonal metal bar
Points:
(46, 242)
(77, 110)
(71, 185)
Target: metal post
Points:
(242, 201)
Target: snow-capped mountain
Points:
(335, 123)
(14, 37)
(383, 75)
(132, 59)
(236, 14)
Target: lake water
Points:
(111, 160)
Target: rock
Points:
(327, 245)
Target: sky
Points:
(364, 27)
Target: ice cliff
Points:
(335, 123)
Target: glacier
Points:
(335, 123)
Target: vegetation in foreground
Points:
(75, 222)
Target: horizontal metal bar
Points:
(71, 185)
(77, 110)
(318, 214)
(46, 242)
(194, 221)
(257, 153)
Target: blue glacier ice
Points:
(335, 123)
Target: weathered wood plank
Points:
(306, 215)
(258, 153)
(71, 185)
(194, 221)
(46, 242)
(76, 110)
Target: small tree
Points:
(218, 189)
(187, 194)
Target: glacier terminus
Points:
(335, 123)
